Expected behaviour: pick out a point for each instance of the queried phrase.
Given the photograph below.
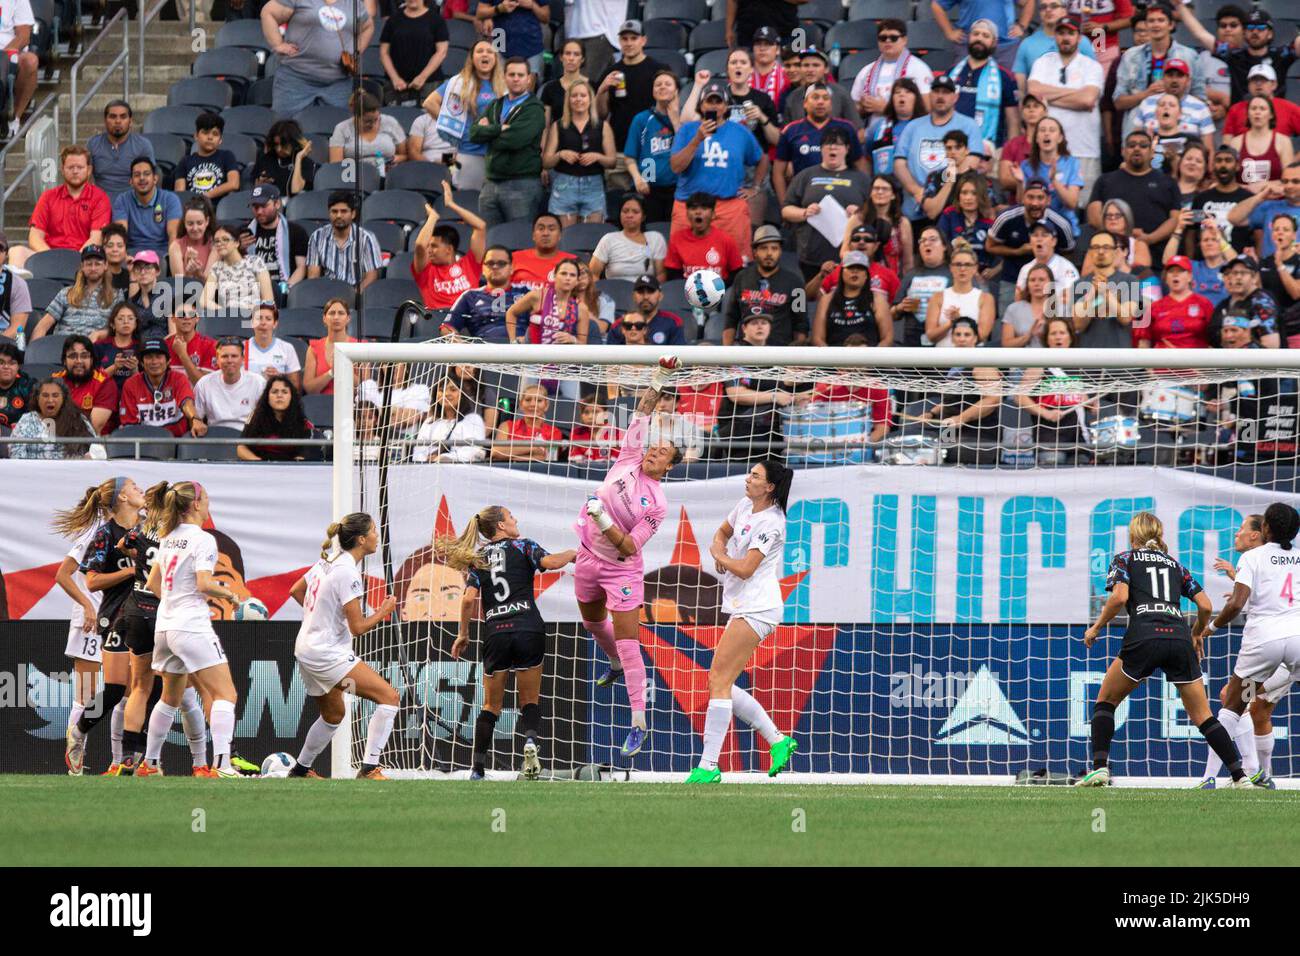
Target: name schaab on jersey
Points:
(1155, 582)
(505, 586)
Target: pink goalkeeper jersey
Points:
(635, 503)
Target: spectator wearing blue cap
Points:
(920, 150)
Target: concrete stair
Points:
(168, 53)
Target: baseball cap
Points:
(944, 80)
(1239, 262)
(631, 26)
(1177, 64)
(1035, 184)
(1072, 21)
(1225, 148)
(1042, 226)
(646, 281)
(1264, 70)
(154, 345)
(147, 255)
(866, 231)
(87, 252)
(1179, 262)
(713, 88)
(1236, 317)
(1259, 18)
(263, 193)
(817, 88)
(813, 51)
(756, 315)
(767, 35)
(766, 233)
(855, 259)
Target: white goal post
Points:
(939, 567)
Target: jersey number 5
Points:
(496, 571)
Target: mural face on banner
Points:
(427, 590)
(230, 573)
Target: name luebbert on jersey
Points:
(1161, 557)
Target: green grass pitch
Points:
(61, 821)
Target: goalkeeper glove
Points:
(662, 375)
(596, 511)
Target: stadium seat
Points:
(207, 92)
(563, 414)
(312, 204)
(251, 120)
(671, 59)
(513, 235)
(674, 299)
(245, 34)
(715, 61)
(664, 34)
(709, 35)
(405, 115)
(925, 35)
(581, 237)
(216, 326)
(41, 371)
(46, 350)
(851, 66)
(371, 64)
(462, 34)
(390, 235)
(854, 35)
(301, 323)
(941, 61)
(620, 290)
(177, 120)
(216, 451)
(455, 59)
(343, 176)
(314, 293)
(243, 146)
(236, 66)
(399, 267)
(879, 9)
(395, 205)
(234, 206)
(390, 293)
(55, 264)
(260, 93)
(168, 150)
(421, 177)
(159, 443)
(319, 410)
(42, 292)
(713, 327)
(825, 13)
(686, 12)
(814, 34)
(321, 119)
(377, 323)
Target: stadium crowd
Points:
(1020, 173)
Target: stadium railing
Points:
(122, 59)
(32, 165)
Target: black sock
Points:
(101, 706)
(134, 742)
(155, 695)
(483, 728)
(1220, 741)
(530, 721)
(1103, 729)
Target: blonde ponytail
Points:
(177, 502)
(463, 552)
(154, 497)
(95, 506)
(327, 545)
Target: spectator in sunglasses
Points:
(648, 325)
(481, 313)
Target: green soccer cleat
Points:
(246, 767)
(781, 752)
(700, 775)
(1209, 783)
(1095, 778)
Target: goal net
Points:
(951, 522)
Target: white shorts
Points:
(1260, 662)
(763, 622)
(320, 679)
(1276, 687)
(186, 652)
(84, 645)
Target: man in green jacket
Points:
(512, 126)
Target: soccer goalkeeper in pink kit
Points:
(613, 528)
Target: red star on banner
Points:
(25, 588)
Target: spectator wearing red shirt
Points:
(535, 267)
(69, 216)
(864, 239)
(192, 352)
(517, 439)
(702, 246)
(440, 273)
(1262, 81)
(1110, 16)
(92, 389)
(1179, 320)
(159, 395)
(877, 399)
(595, 438)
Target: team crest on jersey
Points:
(1193, 310)
(626, 590)
(645, 502)
(712, 257)
(745, 530)
(455, 271)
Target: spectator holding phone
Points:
(118, 353)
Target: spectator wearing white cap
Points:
(1262, 81)
(1043, 41)
(1259, 49)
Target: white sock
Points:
(223, 729)
(1264, 751)
(752, 713)
(319, 735)
(77, 710)
(1244, 737)
(381, 725)
(717, 721)
(160, 722)
(115, 724)
(1212, 763)
(196, 728)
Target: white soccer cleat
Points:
(1245, 783)
(227, 773)
(74, 752)
(532, 766)
(1095, 778)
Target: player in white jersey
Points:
(1265, 587)
(185, 645)
(333, 598)
(747, 550)
(80, 522)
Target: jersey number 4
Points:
(1286, 591)
(169, 572)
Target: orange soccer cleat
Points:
(114, 770)
(149, 770)
(375, 773)
(204, 771)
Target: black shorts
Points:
(513, 651)
(138, 632)
(1173, 655)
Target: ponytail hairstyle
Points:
(154, 497)
(349, 530)
(177, 502)
(93, 509)
(1281, 522)
(779, 476)
(463, 552)
(1255, 523)
(1146, 533)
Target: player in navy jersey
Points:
(501, 579)
(1148, 584)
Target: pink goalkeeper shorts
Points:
(622, 587)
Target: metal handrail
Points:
(146, 19)
(50, 103)
(123, 59)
